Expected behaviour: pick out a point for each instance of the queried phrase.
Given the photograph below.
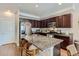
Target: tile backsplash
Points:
(63, 30)
(34, 29)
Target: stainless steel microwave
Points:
(52, 24)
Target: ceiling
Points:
(41, 11)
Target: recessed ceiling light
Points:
(60, 3)
(36, 5)
(8, 13)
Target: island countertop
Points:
(43, 42)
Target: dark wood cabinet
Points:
(59, 21)
(63, 21)
(43, 24)
(67, 21)
(35, 23)
(53, 19)
(38, 24)
(66, 41)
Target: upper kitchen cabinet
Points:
(63, 21)
(43, 23)
(59, 21)
(53, 19)
(67, 21)
(35, 23)
(49, 20)
(38, 24)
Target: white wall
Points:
(75, 28)
(17, 27)
(7, 28)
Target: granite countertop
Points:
(62, 35)
(43, 42)
(54, 33)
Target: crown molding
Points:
(29, 16)
(57, 13)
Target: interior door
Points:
(7, 30)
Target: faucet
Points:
(59, 31)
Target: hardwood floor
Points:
(9, 49)
(63, 52)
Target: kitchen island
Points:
(44, 43)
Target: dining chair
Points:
(72, 51)
(31, 51)
(28, 49)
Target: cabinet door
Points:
(42, 24)
(45, 23)
(59, 21)
(67, 21)
(35, 23)
(66, 41)
(53, 19)
(38, 24)
(63, 21)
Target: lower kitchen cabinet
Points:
(66, 41)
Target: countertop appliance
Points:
(52, 24)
